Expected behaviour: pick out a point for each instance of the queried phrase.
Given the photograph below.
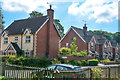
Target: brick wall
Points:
(79, 42)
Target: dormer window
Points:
(5, 40)
(27, 39)
(91, 45)
(16, 38)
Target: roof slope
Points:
(19, 26)
(16, 47)
(87, 36)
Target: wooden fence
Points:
(110, 71)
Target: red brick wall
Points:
(41, 42)
(48, 39)
(79, 42)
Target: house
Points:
(114, 49)
(84, 39)
(37, 37)
(96, 46)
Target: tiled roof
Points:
(19, 26)
(113, 43)
(16, 47)
(87, 36)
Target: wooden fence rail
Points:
(111, 71)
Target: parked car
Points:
(66, 67)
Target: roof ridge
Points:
(29, 18)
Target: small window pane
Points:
(27, 39)
(16, 38)
(67, 45)
(5, 40)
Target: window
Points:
(91, 45)
(105, 47)
(108, 47)
(16, 38)
(51, 67)
(27, 53)
(27, 39)
(5, 40)
(67, 45)
(61, 68)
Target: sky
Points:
(98, 14)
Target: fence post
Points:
(91, 76)
(109, 73)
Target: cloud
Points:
(25, 5)
(100, 10)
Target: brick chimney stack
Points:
(85, 27)
(50, 34)
(101, 35)
(50, 13)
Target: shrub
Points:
(78, 63)
(73, 62)
(81, 54)
(116, 60)
(84, 63)
(93, 62)
(65, 51)
(96, 73)
(33, 62)
(73, 46)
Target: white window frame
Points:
(105, 47)
(16, 38)
(92, 45)
(6, 40)
(67, 45)
(27, 39)
(27, 53)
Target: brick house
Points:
(97, 46)
(37, 37)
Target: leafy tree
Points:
(108, 35)
(61, 28)
(35, 14)
(73, 46)
(1, 20)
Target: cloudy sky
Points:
(98, 14)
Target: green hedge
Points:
(29, 61)
(93, 62)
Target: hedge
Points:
(93, 62)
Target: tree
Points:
(57, 21)
(35, 14)
(60, 27)
(73, 46)
(1, 21)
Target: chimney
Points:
(50, 13)
(101, 35)
(85, 28)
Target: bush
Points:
(116, 60)
(104, 61)
(78, 63)
(96, 73)
(81, 54)
(84, 63)
(65, 51)
(93, 62)
(29, 61)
